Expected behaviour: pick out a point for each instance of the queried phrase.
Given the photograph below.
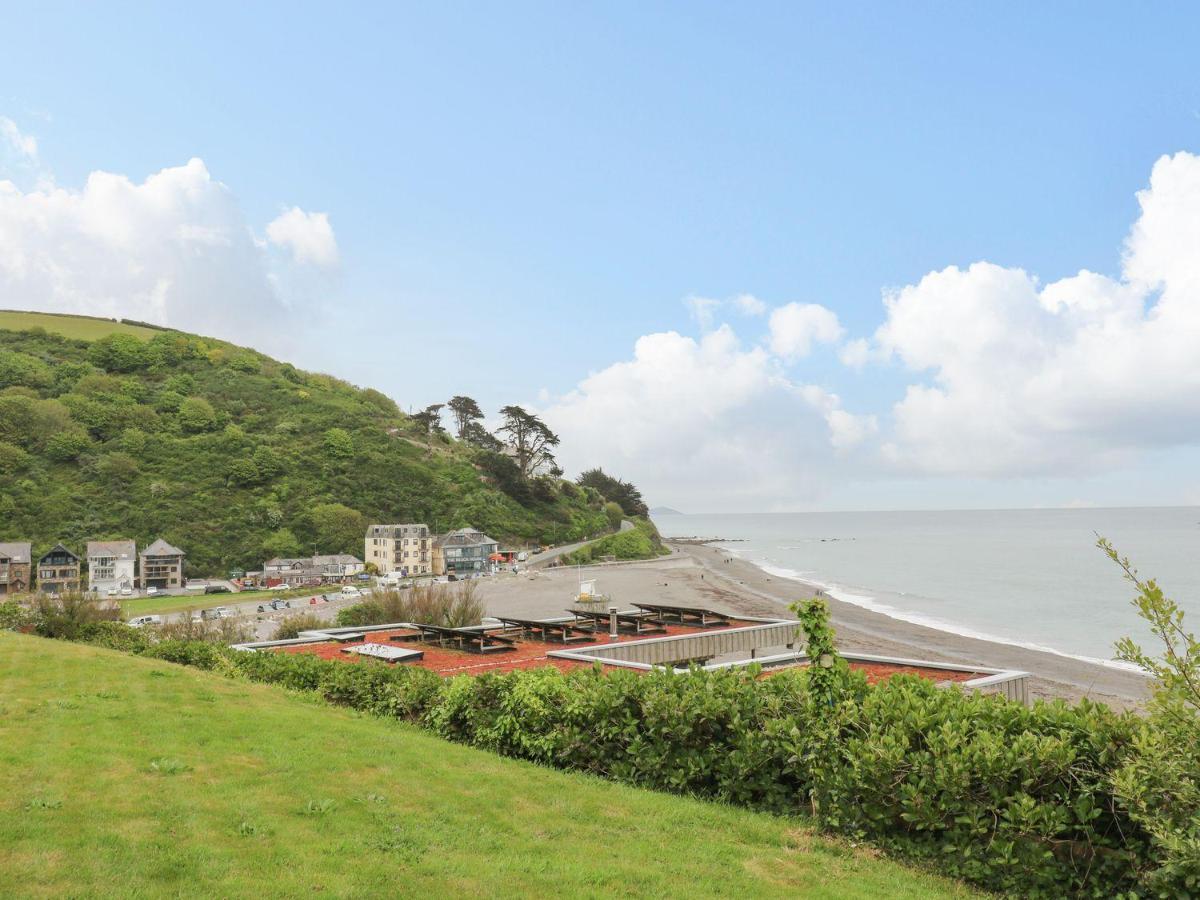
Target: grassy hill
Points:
(114, 430)
(126, 776)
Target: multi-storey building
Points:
(112, 566)
(407, 549)
(58, 571)
(15, 562)
(162, 566)
(467, 550)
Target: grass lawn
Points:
(148, 606)
(82, 327)
(128, 777)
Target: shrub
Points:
(292, 625)
(452, 605)
(68, 615)
(14, 616)
(1160, 780)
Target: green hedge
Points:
(1014, 799)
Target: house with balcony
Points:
(15, 565)
(112, 566)
(406, 549)
(58, 571)
(162, 566)
(466, 551)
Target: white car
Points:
(151, 592)
(143, 621)
(351, 591)
(126, 592)
(278, 587)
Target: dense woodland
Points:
(236, 457)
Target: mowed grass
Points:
(122, 776)
(147, 606)
(78, 327)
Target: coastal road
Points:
(542, 559)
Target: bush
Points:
(1016, 799)
(68, 615)
(14, 616)
(451, 605)
(292, 625)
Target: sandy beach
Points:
(700, 575)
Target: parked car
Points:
(151, 592)
(351, 591)
(217, 612)
(217, 589)
(278, 587)
(126, 592)
(196, 584)
(143, 621)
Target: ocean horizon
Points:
(1029, 577)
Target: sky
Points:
(764, 257)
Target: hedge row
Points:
(1014, 799)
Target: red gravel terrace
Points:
(644, 638)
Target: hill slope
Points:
(229, 454)
(126, 776)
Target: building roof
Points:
(57, 548)
(283, 561)
(394, 531)
(118, 549)
(17, 551)
(465, 537)
(162, 548)
(337, 559)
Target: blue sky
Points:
(519, 192)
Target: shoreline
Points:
(859, 628)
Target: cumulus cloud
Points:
(1063, 378)
(174, 249)
(795, 327)
(308, 236)
(705, 418)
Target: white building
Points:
(407, 549)
(112, 566)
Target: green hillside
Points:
(110, 787)
(231, 455)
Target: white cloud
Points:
(855, 353)
(706, 418)
(24, 145)
(1070, 377)
(308, 236)
(703, 310)
(796, 326)
(174, 250)
(749, 305)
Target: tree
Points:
(281, 543)
(119, 353)
(196, 415)
(478, 436)
(338, 443)
(337, 528)
(529, 438)
(628, 497)
(466, 412)
(430, 419)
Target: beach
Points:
(698, 574)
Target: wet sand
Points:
(698, 575)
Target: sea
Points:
(1029, 577)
